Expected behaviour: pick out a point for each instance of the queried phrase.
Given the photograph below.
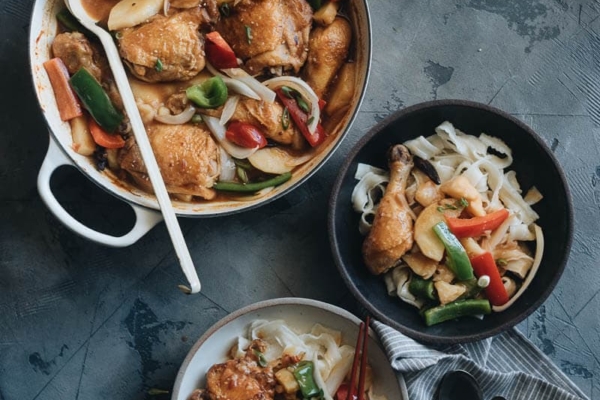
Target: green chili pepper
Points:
(95, 100)
(252, 187)
(304, 374)
(457, 259)
(457, 309)
(242, 174)
(70, 23)
(262, 361)
(211, 93)
(422, 288)
(473, 289)
(245, 164)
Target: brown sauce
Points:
(99, 9)
(159, 93)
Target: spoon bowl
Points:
(139, 131)
(457, 385)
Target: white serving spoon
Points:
(181, 249)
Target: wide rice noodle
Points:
(482, 160)
(367, 192)
(321, 345)
(537, 259)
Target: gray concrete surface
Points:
(81, 321)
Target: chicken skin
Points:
(187, 156)
(166, 48)
(268, 33)
(391, 234)
(76, 51)
(241, 379)
(267, 117)
(327, 52)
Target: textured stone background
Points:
(78, 320)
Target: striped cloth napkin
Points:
(506, 365)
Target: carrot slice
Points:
(68, 104)
(103, 138)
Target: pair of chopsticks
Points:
(360, 357)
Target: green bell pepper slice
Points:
(304, 374)
(252, 187)
(457, 259)
(211, 93)
(422, 288)
(456, 309)
(95, 100)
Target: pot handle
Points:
(145, 219)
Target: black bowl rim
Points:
(419, 335)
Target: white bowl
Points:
(301, 315)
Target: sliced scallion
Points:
(248, 33)
(288, 91)
(158, 66)
(302, 104)
(285, 118)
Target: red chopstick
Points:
(360, 357)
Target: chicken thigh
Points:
(327, 52)
(392, 232)
(187, 156)
(268, 33)
(267, 117)
(242, 378)
(166, 48)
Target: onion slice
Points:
(229, 109)
(264, 92)
(227, 167)
(218, 132)
(234, 84)
(539, 251)
(213, 70)
(305, 91)
(240, 87)
(178, 119)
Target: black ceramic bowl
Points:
(534, 164)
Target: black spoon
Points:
(457, 385)
(461, 385)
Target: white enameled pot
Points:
(60, 152)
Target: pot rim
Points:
(134, 196)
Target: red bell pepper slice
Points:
(472, 227)
(301, 119)
(484, 264)
(245, 135)
(218, 52)
(343, 393)
(322, 104)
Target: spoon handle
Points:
(160, 190)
